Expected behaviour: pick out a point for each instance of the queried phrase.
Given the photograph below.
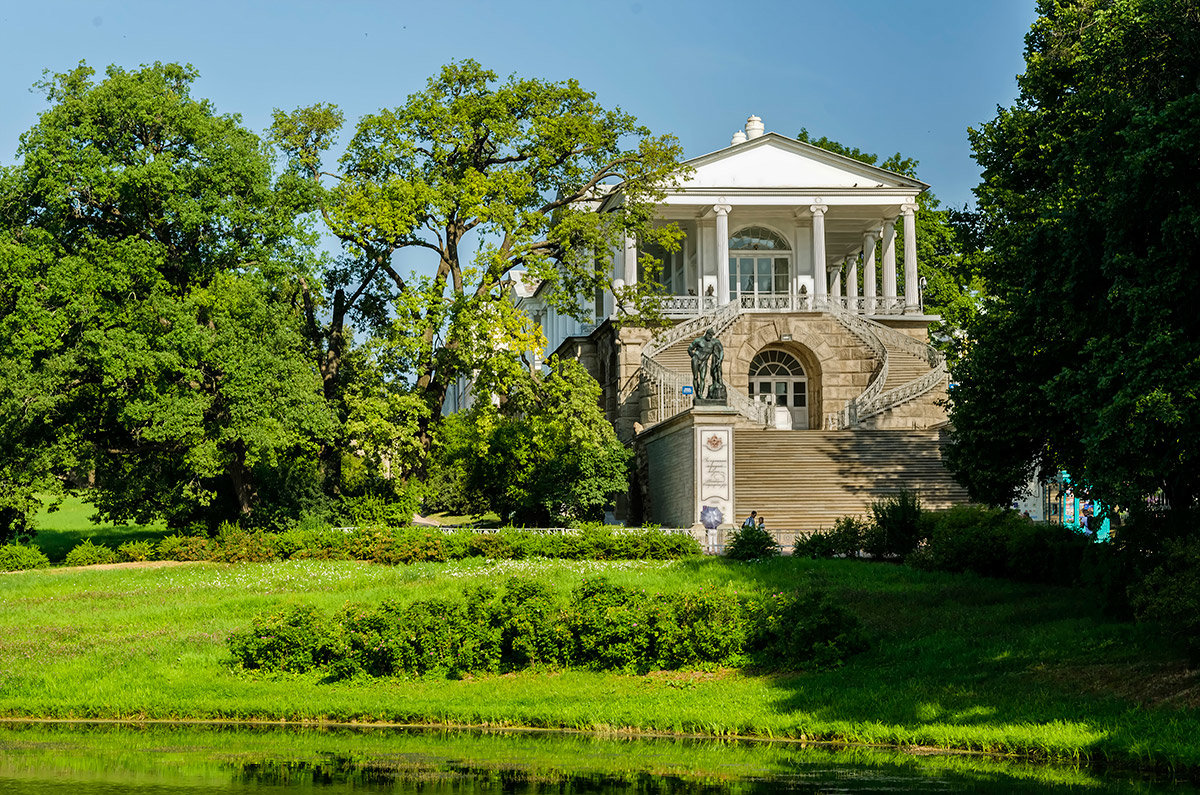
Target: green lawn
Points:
(956, 661)
(58, 531)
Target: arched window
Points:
(757, 238)
(759, 263)
(781, 376)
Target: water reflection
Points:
(97, 758)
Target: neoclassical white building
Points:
(790, 256)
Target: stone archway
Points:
(804, 347)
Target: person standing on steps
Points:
(749, 523)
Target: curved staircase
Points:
(907, 369)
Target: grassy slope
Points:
(957, 662)
(59, 531)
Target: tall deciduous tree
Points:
(474, 177)
(1088, 358)
(545, 454)
(146, 333)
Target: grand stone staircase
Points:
(879, 442)
(806, 480)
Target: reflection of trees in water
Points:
(414, 773)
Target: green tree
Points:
(545, 454)
(1088, 357)
(479, 177)
(148, 336)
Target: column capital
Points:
(722, 207)
(818, 209)
(908, 208)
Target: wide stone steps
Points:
(805, 480)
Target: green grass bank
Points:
(956, 662)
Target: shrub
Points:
(606, 627)
(136, 551)
(234, 544)
(805, 629)
(1169, 596)
(896, 526)
(751, 543)
(177, 547)
(995, 542)
(297, 639)
(845, 539)
(88, 554)
(531, 631)
(18, 557)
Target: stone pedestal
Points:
(714, 466)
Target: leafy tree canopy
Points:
(1088, 357)
(479, 176)
(545, 454)
(147, 337)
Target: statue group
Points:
(707, 354)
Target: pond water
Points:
(95, 759)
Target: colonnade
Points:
(841, 282)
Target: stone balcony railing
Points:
(687, 306)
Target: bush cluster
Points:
(88, 554)
(1169, 595)
(750, 542)
(395, 546)
(601, 627)
(897, 526)
(995, 542)
(18, 557)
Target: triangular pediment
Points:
(776, 161)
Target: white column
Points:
(912, 304)
(630, 260)
(722, 211)
(818, 247)
(869, 239)
(889, 263)
(836, 270)
(852, 284)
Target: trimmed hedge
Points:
(395, 546)
(602, 627)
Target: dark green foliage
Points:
(804, 627)
(1087, 358)
(546, 455)
(1001, 543)
(88, 554)
(531, 628)
(613, 627)
(896, 526)
(148, 328)
(751, 543)
(602, 627)
(1169, 596)
(844, 540)
(17, 557)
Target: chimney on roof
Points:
(754, 127)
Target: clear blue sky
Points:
(907, 76)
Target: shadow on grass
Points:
(986, 664)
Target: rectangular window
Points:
(781, 276)
(764, 275)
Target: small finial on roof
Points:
(739, 137)
(754, 127)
